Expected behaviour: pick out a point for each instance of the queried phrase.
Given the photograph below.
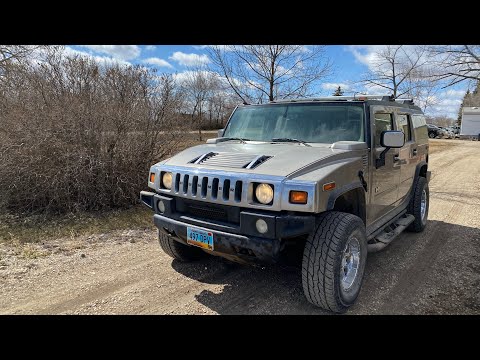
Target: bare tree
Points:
(396, 69)
(258, 73)
(456, 63)
(199, 85)
(9, 53)
(422, 88)
(443, 121)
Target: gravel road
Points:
(125, 272)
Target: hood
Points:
(280, 159)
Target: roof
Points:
(474, 110)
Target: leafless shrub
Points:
(77, 135)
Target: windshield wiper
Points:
(290, 140)
(244, 141)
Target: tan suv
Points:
(335, 177)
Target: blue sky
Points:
(350, 62)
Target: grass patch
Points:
(17, 229)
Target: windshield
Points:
(316, 123)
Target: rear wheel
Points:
(177, 250)
(431, 135)
(334, 261)
(419, 204)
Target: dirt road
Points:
(124, 272)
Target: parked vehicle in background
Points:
(447, 133)
(455, 129)
(434, 131)
(333, 177)
(470, 123)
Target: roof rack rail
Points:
(339, 98)
(404, 101)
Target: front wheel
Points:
(177, 250)
(334, 261)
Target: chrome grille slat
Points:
(204, 188)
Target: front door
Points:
(386, 178)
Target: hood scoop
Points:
(231, 160)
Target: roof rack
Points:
(358, 97)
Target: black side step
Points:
(390, 232)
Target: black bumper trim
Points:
(251, 249)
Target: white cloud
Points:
(121, 52)
(150, 47)
(365, 54)
(334, 86)
(446, 103)
(157, 62)
(221, 47)
(189, 59)
(104, 60)
(186, 75)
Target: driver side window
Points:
(383, 122)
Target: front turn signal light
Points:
(329, 186)
(152, 177)
(298, 197)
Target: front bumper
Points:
(240, 241)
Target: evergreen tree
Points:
(465, 97)
(338, 92)
(477, 88)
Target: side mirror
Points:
(389, 139)
(220, 133)
(392, 139)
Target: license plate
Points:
(200, 238)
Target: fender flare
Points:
(335, 194)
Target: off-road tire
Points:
(322, 259)
(177, 250)
(414, 207)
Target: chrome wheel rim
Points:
(350, 263)
(423, 204)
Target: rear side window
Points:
(404, 125)
(420, 128)
(383, 122)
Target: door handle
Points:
(414, 152)
(396, 158)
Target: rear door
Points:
(408, 155)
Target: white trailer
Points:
(470, 122)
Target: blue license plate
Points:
(200, 238)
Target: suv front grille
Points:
(208, 187)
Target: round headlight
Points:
(167, 180)
(264, 193)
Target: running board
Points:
(390, 233)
